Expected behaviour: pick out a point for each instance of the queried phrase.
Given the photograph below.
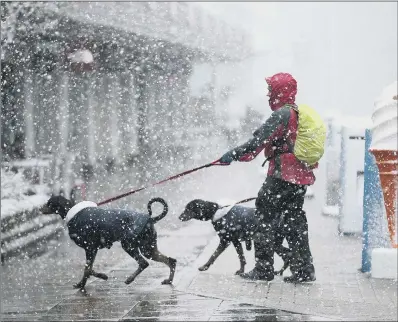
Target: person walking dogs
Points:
(292, 139)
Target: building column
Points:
(128, 115)
(63, 120)
(28, 89)
(62, 159)
(214, 100)
(90, 109)
(142, 126)
(105, 127)
(113, 110)
(101, 119)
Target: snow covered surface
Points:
(181, 22)
(31, 238)
(10, 207)
(385, 120)
(13, 194)
(384, 263)
(33, 162)
(31, 224)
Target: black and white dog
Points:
(93, 228)
(233, 224)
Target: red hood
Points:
(283, 90)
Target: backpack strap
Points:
(296, 120)
(290, 144)
(293, 107)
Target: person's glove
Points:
(227, 158)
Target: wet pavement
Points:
(41, 288)
(341, 291)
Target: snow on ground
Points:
(18, 194)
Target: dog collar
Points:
(221, 212)
(78, 207)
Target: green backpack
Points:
(311, 135)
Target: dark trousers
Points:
(279, 206)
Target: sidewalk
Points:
(41, 289)
(341, 292)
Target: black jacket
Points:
(239, 223)
(99, 228)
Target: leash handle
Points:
(217, 162)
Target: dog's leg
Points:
(142, 263)
(242, 260)
(221, 247)
(282, 251)
(99, 275)
(286, 264)
(170, 262)
(90, 257)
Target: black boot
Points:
(257, 275)
(301, 262)
(302, 276)
(299, 279)
(264, 254)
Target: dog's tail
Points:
(164, 212)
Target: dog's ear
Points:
(66, 204)
(198, 205)
(205, 209)
(58, 205)
(191, 211)
(49, 207)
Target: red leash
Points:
(246, 200)
(168, 179)
(242, 201)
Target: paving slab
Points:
(40, 289)
(340, 292)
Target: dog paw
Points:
(166, 282)
(129, 280)
(79, 285)
(101, 276)
(241, 271)
(203, 268)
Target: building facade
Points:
(107, 82)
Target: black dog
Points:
(93, 228)
(235, 224)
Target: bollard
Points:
(380, 253)
(372, 207)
